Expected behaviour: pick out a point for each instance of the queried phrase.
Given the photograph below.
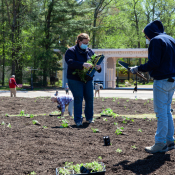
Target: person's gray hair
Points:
(13, 76)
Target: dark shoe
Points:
(157, 147)
(170, 145)
(79, 124)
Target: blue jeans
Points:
(163, 93)
(82, 90)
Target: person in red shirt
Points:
(12, 86)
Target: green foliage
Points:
(9, 125)
(139, 130)
(35, 122)
(118, 150)
(65, 123)
(134, 147)
(3, 123)
(82, 73)
(95, 130)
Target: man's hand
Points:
(87, 65)
(98, 67)
(134, 69)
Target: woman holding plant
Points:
(76, 57)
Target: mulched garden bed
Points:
(26, 148)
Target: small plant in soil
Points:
(102, 99)
(139, 130)
(127, 100)
(3, 123)
(147, 101)
(31, 115)
(65, 123)
(55, 112)
(118, 103)
(44, 127)
(104, 119)
(99, 157)
(115, 123)
(124, 121)
(118, 150)
(22, 113)
(108, 112)
(9, 125)
(33, 173)
(118, 131)
(35, 122)
(6, 115)
(63, 171)
(113, 99)
(134, 147)
(95, 130)
(132, 120)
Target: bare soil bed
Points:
(26, 147)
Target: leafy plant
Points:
(65, 123)
(3, 123)
(95, 130)
(31, 115)
(22, 113)
(115, 123)
(9, 125)
(139, 130)
(134, 147)
(108, 112)
(124, 121)
(33, 173)
(35, 122)
(132, 120)
(118, 150)
(118, 103)
(63, 171)
(82, 73)
(99, 157)
(147, 101)
(44, 127)
(6, 115)
(104, 119)
(118, 131)
(127, 100)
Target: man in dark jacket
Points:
(161, 66)
(76, 57)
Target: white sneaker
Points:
(157, 147)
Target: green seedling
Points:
(9, 125)
(33, 173)
(139, 130)
(104, 119)
(113, 99)
(116, 98)
(65, 123)
(124, 106)
(58, 117)
(127, 100)
(136, 99)
(134, 147)
(132, 120)
(31, 115)
(6, 115)
(95, 130)
(3, 123)
(22, 113)
(99, 157)
(147, 101)
(118, 131)
(124, 121)
(118, 150)
(35, 122)
(44, 127)
(115, 123)
(118, 103)
(152, 99)
(102, 99)
(127, 118)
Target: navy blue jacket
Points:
(161, 52)
(75, 58)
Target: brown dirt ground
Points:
(25, 147)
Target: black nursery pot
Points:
(106, 141)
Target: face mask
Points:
(84, 46)
(147, 41)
